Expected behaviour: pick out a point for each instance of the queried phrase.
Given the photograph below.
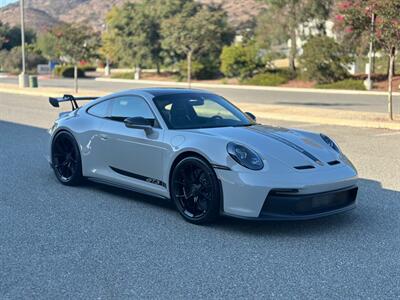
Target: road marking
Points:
(388, 133)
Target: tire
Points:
(66, 159)
(195, 191)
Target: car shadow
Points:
(375, 205)
(130, 195)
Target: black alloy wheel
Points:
(195, 190)
(66, 159)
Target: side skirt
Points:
(127, 187)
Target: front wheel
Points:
(66, 159)
(195, 190)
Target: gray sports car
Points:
(202, 152)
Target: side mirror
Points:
(140, 123)
(253, 117)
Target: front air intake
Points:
(306, 167)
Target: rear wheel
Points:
(195, 190)
(66, 159)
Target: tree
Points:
(325, 60)
(282, 19)
(133, 35)
(356, 14)
(10, 37)
(241, 61)
(47, 44)
(196, 30)
(75, 43)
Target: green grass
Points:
(348, 84)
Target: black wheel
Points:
(195, 190)
(66, 159)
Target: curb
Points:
(246, 87)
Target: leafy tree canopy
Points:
(10, 37)
(74, 43)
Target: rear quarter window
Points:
(99, 110)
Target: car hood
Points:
(292, 147)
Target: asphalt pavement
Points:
(370, 103)
(97, 242)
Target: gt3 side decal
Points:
(140, 177)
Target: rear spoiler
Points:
(55, 102)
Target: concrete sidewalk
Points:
(262, 111)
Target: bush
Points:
(68, 72)
(203, 68)
(324, 60)
(267, 79)
(11, 61)
(125, 75)
(241, 61)
(88, 68)
(348, 84)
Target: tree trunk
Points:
(293, 49)
(388, 68)
(76, 78)
(189, 69)
(390, 82)
(158, 67)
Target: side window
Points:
(130, 107)
(100, 110)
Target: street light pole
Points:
(371, 53)
(107, 68)
(23, 80)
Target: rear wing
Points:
(55, 102)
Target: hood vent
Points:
(333, 162)
(306, 167)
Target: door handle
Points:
(103, 137)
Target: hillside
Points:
(43, 14)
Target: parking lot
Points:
(97, 242)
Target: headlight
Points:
(330, 142)
(245, 157)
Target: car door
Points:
(133, 155)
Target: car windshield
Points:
(193, 111)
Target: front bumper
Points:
(295, 196)
(285, 206)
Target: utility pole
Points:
(23, 77)
(371, 54)
(107, 68)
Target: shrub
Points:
(348, 84)
(11, 61)
(324, 60)
(202, 68)
(88, 68)
(267, 79)
(68, 72)
(241, 61)
(125, 75)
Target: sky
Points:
(5, 2)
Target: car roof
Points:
(169, 91)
